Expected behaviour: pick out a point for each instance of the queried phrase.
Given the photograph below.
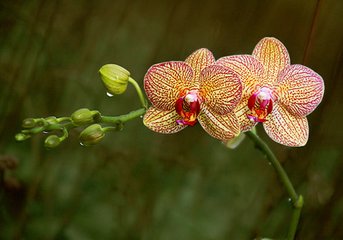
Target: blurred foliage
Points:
(138, 184)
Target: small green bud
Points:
(51, 120)
(115, 78)
(21, 137)
(92, 135)
(29, 123)
(83, 116)
(52, 141)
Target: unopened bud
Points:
(92, 135)
(115, 78)
(52, 141)
(29, 123)
(51, 120)
(83, 116)
(21, 137)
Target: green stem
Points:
(296, 200)
(123, 118)
(139, 92)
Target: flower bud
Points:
(92, 135)
(83, 116)
(29, 123)
(52, 141)
(115, 78)
(21, 137)
(51, 120)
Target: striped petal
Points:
(250, 71)
(300, 89)
(241, 112)
(285, 128)
(200, 59)
(162, 121)
(222, 127)
(274, 57)
(220, 88)
(247, 67)
(164, 82)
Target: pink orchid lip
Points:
(260, 104)
(188, 107)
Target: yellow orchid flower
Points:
(183, 93)
(276, 93)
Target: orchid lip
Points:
(188, 107)
(260, 104)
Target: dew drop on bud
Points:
(109, 94)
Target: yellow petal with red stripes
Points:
(162, 121)
(241, 112)
(250, 71)
(200, 59)
(222, 127)
(274, 57)
(164, 82)
(220, 88)
(300, 89)
(285, 128)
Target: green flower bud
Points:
(21, 137)
(52, 141)
(115, 78)
(83, 116)
(29, 123)
(51, 120)
(92, 135)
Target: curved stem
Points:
(139, 92)
(123, 118)
(296, 200)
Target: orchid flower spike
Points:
(275, 93)
(196, 90)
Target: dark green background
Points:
(138, 184)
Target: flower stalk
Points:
(80, 118)
(296, 200)
(139, 92)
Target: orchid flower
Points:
(275, 93)
(196, 90)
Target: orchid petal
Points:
(222, 127)
(200, 59)
(162, 121)
(220, 88)
(241, 112)
(164, 82)
(247, 67)
(285, 128)
(274, 57)
(300, 89)
(250, 71)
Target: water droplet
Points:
(82, 144)
(109, 94)
(141, 116)
(289, 199)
